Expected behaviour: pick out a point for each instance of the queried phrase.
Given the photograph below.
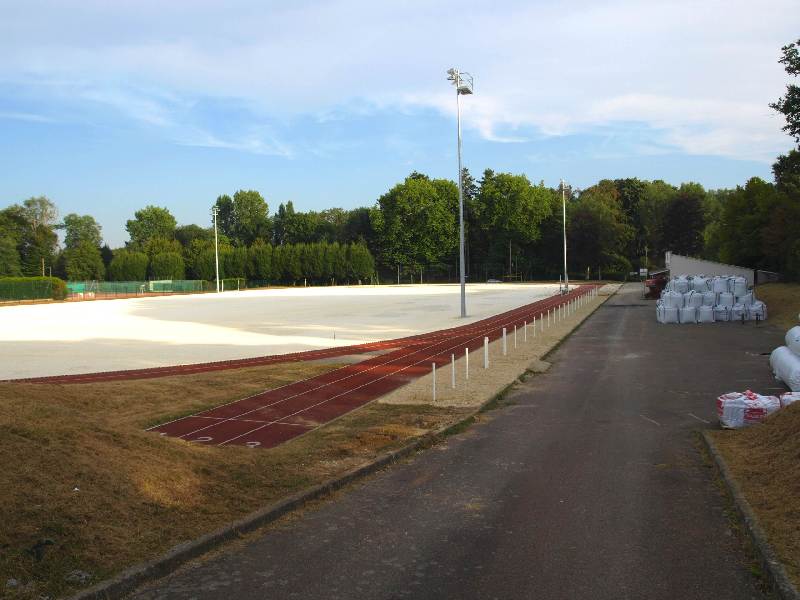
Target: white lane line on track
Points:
(698, 418)
(651, 420)
(481, 326)
(424, 360)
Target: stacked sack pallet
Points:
(700, 299)
(785, 360)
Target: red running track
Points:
(272, 417)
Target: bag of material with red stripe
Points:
(737, 409)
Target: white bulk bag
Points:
(693, 299)
(738, 312)
(746, 299)
(738, 410)
(705, 314)
(757, 311)
(726, 299)
(739, 286)
(700, 284)
(680, 284)
(709, 298)
(786, 367)
(667, 314)
(789, 398)
(688, 314)
(672, 299)
(721, 313)
(793, 339)
(719, 285)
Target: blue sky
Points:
(106, 107)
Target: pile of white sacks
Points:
(785, 360)
(740, 409)
(699, 299)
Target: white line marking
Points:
(651, 420)
(698, 418)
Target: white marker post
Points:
(466, 363)
(534, 326)
(515, 337)
(433, 370)
(548, 318)
(541, 322)
(486, 353)
(505, 349)
(453, 371)
(525, 331)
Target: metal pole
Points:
(460, 208)
(485, 352)
(466, 363)
(505, 349)
(453, 371)
(433, 370)
(564, 221)
(216, 246)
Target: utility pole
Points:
(564, 220)
(214, 211)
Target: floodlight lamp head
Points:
(452, 74)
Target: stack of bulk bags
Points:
(705, 314)
(709, 298)
(738, 286)
(700, 284)
(688, 314)
(667, 308)
(785, 360)
(680, 284)
(700, 299)
(719, 285)
(741, 409)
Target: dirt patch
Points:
(765, 460)
(86, 491)
(783, 303)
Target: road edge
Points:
(773, 568)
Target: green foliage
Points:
(416, 222)
(9, 257)
(128, 265)
(148, 223)
(32, 288)
(233, 262)
(259, 261)
(186, 234)
(83, 262)
(598, 233)
(684, 220)
(167, 265)
(160, 245)
(789, 104)
(81, 229)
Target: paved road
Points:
(589, 486)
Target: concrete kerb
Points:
(134, 577)
(773, 568)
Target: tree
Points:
(416, 222)
(787, 174)
(233, 261)
(250, 216)
(226, 220)
(81, 228)
(789, 105)
(160, 245)
(9, 257)
(259, 263)
(40, 212)
(83, 262)
(360, 262)
(200, 259)
(128, 265)
(167, 265)
(598, 233)
(148, 223)
(653, 205)
(684, 220)
(186, 234)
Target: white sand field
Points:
(107, 335)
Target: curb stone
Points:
(773, 568)
(135, 577)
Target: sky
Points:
(106, 107)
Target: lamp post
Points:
(214, 211)
(564, 222)
(463, 85)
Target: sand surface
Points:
(106, 335)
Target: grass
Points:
(783, 303)
(765, 460)
(84, 487)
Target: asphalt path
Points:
(589, 484)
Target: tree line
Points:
(513, 229)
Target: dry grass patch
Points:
(783, 303)
(84, 487)
(765, 460)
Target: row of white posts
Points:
(561, 312)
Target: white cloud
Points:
(700, 75)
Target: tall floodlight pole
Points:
(214, 211)
(564, 222)
(463, 85)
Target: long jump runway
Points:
(272, 417)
